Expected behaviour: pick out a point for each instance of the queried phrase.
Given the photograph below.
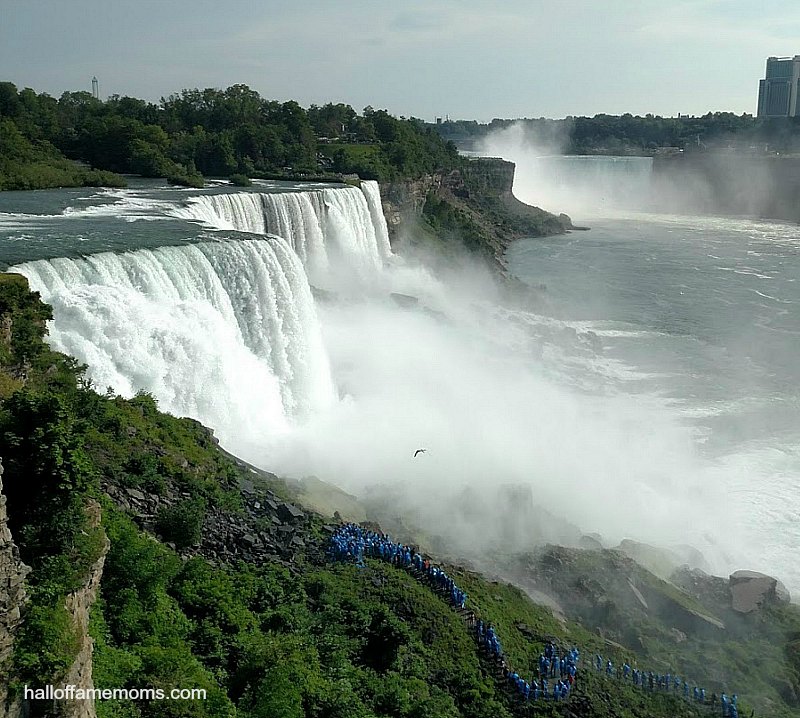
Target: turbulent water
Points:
(651, 394)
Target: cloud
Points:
(701, 23)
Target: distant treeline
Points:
(629, 134)
(203, 132)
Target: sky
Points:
(466, 59)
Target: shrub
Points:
(182, 524)
(240, 180)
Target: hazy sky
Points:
(464, 58)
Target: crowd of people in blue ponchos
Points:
(669, 683)
(562, 670)
(352, 543)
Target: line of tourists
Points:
(557, 673)
(668, 683)
(351, 542)
(561, 669)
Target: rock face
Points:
(403, 201)
(78, 605)
(267, 528)
(660, 561)
(480, 193)
(590, 543)
(751, 590)
(12, 599)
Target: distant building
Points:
(778, 92)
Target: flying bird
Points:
(419, 451)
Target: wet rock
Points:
(247, 487)
(404, 300)
(638, 595)
(590, 543)
(751, 590)
(660, 561)
(678, 636)
(288, 512)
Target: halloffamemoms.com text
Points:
(74, 693)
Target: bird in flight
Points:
(419, 451)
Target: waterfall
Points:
(372, 193)
(223, 331)
(345, 224)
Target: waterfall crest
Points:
(342, 223)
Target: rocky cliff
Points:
(12, 600)
(79, 604)
(473, 206)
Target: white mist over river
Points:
(635, 401)
(707, 308)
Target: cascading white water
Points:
(222, 331)
(372, 193)
(342, 223)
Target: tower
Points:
(778, 92)
(95, 88)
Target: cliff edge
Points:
(473, 207)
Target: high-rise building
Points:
(778, 92)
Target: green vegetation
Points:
(636, 135)
(185, 178)
(222, 133)
(452, 222)
(182, 524)
(240, 180)
(695, 634)
(28, 165)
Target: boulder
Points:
(750, 590)
(590, 543)
(404, 300)
(660, 561)
(135, 494)
(288, 512)
(678, 636)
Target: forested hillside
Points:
(203, 132)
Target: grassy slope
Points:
(753, 655)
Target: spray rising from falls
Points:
(344, 224)
(227, 332)
(222, 331)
